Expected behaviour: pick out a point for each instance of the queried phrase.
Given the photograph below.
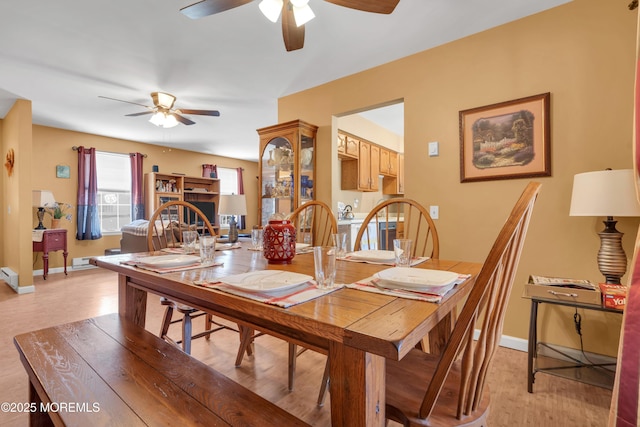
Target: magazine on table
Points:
(562, 282)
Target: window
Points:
(228, 185)
(114, 191)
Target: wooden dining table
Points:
(358, 330)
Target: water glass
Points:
(339, 240)
(207, 250)
(324, 260)
(256, 239)
(402, 250)
(189, 239)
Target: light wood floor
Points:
(89, 293)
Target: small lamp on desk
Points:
(40, 199)
(607, 193)
(233, 204)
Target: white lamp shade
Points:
(302, 14)
(42, 198)
(232, 204)
(604, 193)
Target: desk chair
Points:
(165, 231)
(425, 389)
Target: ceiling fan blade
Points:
(183, 120)
(292, 34)
(128, 102)
(199, 112)
(210, 7)
(139, 114)
(374, 6)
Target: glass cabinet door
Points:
(277, 178)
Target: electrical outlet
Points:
(433, 149)
(434, 212)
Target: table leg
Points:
(45, 265)
(357, 387)
(64, 255)
(533, 338)
(132, 302)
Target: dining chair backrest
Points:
(485, 305)
(412, 221)
(314, 220)
(169, 221)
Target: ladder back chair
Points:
(412, 222)
(449, 390)
(314, 217)
(165, 231)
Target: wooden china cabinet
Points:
(287, 167)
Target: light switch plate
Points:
(433, 149)
(434, 212)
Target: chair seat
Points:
(407, 382)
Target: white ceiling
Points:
(63, 54)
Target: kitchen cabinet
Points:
(362, 173)
(348, 146)
(287, 165)
(204, 193)
(394, 185)
(388, 162)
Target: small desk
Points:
(598, 373)
(52, 240)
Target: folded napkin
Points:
(286, 298)
(161, 270)
(369, 285)
(414, 260)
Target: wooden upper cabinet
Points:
(395, 184)
(362, 173)
(388, 162)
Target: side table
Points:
(52, 240)
(569, 367)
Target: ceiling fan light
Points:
(157, 118)
(302, 14)
(271, 9)
(170, 121)
(163, 99)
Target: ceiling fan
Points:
(295, 13)
(164, 115)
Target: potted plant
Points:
(58, 211)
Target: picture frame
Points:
(63, 171)
(507, 140)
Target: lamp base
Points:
(612, 260)
(40, 215)
(233, 231)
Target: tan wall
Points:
(583, 53)
(51, 147)
(16, 192)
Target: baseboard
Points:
(23, 289)
(509, 342)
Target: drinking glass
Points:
(189, 239)
(402, 250)
(324, 260)
(339, 240)
(256, 239)
(207, 250)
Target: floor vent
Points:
(81, 263)
(9, 276)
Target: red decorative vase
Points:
(279, 241)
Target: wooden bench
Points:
(108, 371)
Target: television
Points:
(207, 208)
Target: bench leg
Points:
(38, 418)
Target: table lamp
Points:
(233, 204)
(607, 193)
(40, 199)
